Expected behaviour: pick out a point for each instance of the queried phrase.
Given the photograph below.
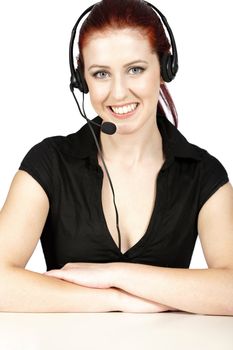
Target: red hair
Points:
(118, 14)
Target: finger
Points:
(54, 273)
(61, 274)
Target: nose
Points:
(119, 88)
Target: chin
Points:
(128, 128)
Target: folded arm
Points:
(205, 291)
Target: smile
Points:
(124, 112)
(124, 109)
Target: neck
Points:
(131, 148)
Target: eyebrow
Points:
(125, 65)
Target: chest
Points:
(81, 227)
(135, 196)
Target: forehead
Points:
(116, 44)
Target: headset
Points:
(169, 68)
(169, 62)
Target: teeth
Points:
(125, 109)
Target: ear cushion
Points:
(166, 67)
(80, 81)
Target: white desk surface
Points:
(115, 331)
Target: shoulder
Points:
(44, 160)
(204, 169)
(212, 175)
(205, 160)
(209, 164)
(53, 145)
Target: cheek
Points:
(97, 99)
(97, 96)
(147, 89)
(148, 85)
(97, 92)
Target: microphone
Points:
(107, 127)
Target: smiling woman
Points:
(145, 24)
(123, 84)
(167, 189)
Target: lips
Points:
(125, 109)
(122, 116)
(123, 105)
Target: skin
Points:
(142, 288)
(202, 291)
(137, 140)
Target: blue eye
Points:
(136, 69)
(98, 76)
(102, 74)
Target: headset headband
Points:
(169, 62)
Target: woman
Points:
(167, 192)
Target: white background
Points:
(34, 81)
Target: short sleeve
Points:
(38, 162)
(213, 176)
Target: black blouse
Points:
(76, 230)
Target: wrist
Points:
(116, 299)
(116, 273)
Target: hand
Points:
(93, 275)
(100, 275)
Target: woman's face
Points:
(120, 70)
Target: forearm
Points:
(204, 291)
(26, 291)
